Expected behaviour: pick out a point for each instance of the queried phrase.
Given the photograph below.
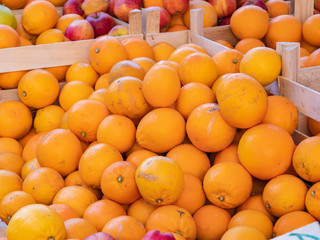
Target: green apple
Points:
(7, 17)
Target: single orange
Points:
(137, 47)
(9, 37)
(82, 71)
(247, 44)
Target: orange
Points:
(176, 19)
(304, 52)
(227, 185)
(39, 16)
(77, 197)
(118, 182)
(48, 118)
(118, 131)
(277, 8)
(304, 159)
(11, 161)
(12, 182)
(125, 227)
(73, 179)
(261, 63)
(59, 72)
(24, 42)
(247, 44)
(160, 130)
(84, 118)
(167, 180)
(43, 184)
(138, 156)
(162, 51)
(137, 47)
(191, 160)
(192, 196)
(38, 88)
(14, 4)
(22, 33)
(180, 53)
(252, 218)
(228, 61)
(172, 219)
(59, 149)
(105, 52)
(198, 67)
(65, 211)
(309, 30)
(282, 112)
(194, 46)
(29, 151)
(242, 100)
(28, 167)
(177, 27)
(224, 43)
(313, 59)
(265, 151)
(243, 232)
(102, 82)
(304, 62)
(79, 228)
(126, 68)
(312, 200)
(283, 194)
(100, 212)
(210, 17)
(229, 154)
(57, 3)
(211, 222)
(171, 64)
(16, 119)
(100, 95)
(10, 145)
(12, 203)
(64, 21)
(50, 36)
(284, 28)
(314, 126)
(73, 92)
(255, 202)
(9, 37)
(291, 221)
(205, 126)
(144, 62)
(307, 45)
(161, 86)
(82, 71)
(11, 79)
(125, 97)
(141, 210)
(48, 222)
(151, 3)
(242, 25)
(193, 95)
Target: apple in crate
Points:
(224, 8)
(157, 235)
(123, 7)
(79, 30)
(92, 6)
(165, 18)
(7, 17)
(101, 23)
(259, 3)
(225, 21)
(111, 7)
(99, 236)
(73, 6)
(119, 30)
(176, 6)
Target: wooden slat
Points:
(309, 77)
(135, 20)
(220, 32)
(196, 21)
(150, 21)
(211, 46)
(303, 9)
(290, 54)
(305, 99)
(176, 39)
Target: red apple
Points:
(73, 6)
(79, 30)
(240, 2)
(111, 7)
(225, 21)
(157, 235)
(99, 236)
(165, 18)
(317, 4)
(119, 30)
(259, 3)
(101, 23)
(176, 6)
(123, 7)
(224, 8)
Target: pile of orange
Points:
(145, 138)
